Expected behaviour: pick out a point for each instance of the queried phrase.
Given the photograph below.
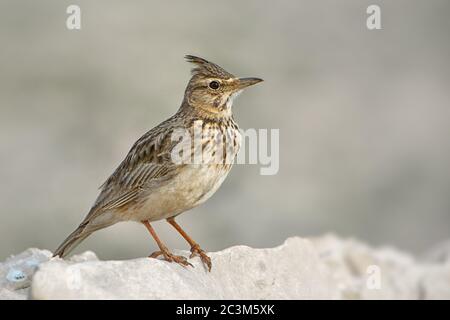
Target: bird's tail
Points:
(72, 241)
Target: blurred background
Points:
(364, 117)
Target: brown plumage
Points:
(161, 176)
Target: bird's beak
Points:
(246, 82)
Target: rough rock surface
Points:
(16, 273)
(327, 267)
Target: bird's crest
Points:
(206, 68)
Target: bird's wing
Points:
(149, 160)
(133, 183)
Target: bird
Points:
(174, 167)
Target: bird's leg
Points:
(168, 256)
(195, 248)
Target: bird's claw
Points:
(169, 257)
(197, 251)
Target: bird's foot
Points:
(197, 251)
(170, 257)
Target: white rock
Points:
(17, 271)
(327, 267)
(435, 284)
(290, 271)
(361, 272)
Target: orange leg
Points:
(195, 248)
(168, 256)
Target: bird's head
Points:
(212, 89)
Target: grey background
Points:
(364, 117)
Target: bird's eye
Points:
(214, 85)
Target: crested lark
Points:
(152, 183)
